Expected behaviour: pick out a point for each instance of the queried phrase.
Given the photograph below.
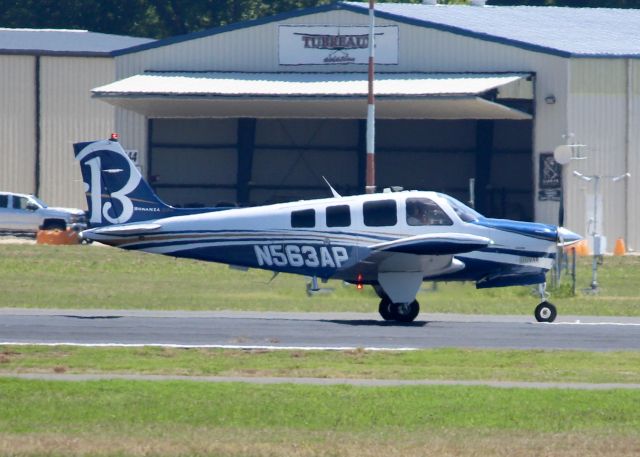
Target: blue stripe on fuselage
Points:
(520, 252)
(278, 232)
(531, 229)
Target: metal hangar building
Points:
(45, 105)
(257, 112)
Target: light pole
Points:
(370, 172)
(563, 155)
(597, 240)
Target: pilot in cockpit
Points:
(417, 213)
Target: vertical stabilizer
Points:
(116, 192)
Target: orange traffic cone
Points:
(57, 237)
(582, 248)
(619, 248)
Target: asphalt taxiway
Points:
(312, 330)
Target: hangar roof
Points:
(400, 95)
(64, 42)
(308, 84)
(583, 32)
(567, 32)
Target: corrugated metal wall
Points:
(17, 125)
(633, 156)
(68, 115)
(132, 128)
(598, 117)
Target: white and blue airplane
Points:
(392, 241)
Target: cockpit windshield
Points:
(463, 211)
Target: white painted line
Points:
(211, 346)
(618, 324)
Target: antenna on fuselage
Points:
(275, 275)
(333, 191)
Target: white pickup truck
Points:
(22, 213)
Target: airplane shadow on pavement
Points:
(374, 323)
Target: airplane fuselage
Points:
(335, 238)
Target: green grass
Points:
(237, 419)
(124, 418)
(437, 364)
(95, 277)
(29, 406)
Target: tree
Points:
(164, 18)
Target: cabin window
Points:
(303, 218)
(4, 201)
(380, 213)
(338, 216)
(424, 211)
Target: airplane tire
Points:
(546, 312)
(405, 312)
(385, 310)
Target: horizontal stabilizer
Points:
(126, 229)
(435, 244)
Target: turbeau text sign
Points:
(333, 45)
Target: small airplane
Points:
(392, 241)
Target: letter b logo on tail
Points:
(116, 192)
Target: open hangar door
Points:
(248, 161)
(193, 162)
(443, 155)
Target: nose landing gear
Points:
(545, 311)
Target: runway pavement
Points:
(312, 330)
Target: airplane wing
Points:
(401, 265)
(126, 229)
(434, 244)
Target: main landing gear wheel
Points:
(545, 312)
(385, 309)
(405, 312)
(401, 312)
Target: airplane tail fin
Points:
(116, 191)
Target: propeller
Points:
(566, 237)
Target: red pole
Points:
(371, 108)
